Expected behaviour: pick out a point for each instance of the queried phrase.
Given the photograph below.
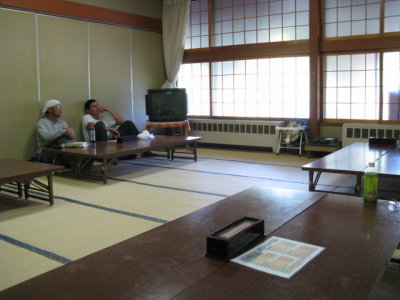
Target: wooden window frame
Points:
(316, 47)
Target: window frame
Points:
(317, 46)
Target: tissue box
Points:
(233, 239)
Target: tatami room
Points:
(248, 66)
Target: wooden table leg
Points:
(50, 188)
(358, 185)
(107, 162)
(311, 186)
(19, 186)
(185, 131)
(27, 184)
(78, 166)
(195, 151)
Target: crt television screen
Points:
(166, 105)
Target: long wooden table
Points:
(23, 174)
(108, 151)
(353, 160)
(169, 261)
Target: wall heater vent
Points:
(237, 132)
(353, 132)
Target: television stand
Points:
(182, 124)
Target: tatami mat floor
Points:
(141, 194)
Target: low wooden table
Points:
(169, 261)
(22, 174)
(109, 151)
(328, 148)
(353, 160)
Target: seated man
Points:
(51, 130)
(106, 126)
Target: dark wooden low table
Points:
(22, 174)
(109, 151)
(325, 148)
(169, 261)
(353, 160)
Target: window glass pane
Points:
(347, 18)
(331, 63)
(372, 26)
(238, 12)
(344, 14)
(289, 20)
(250, 11)
(302, 33)
(238, 38)
(342, 3)
(391, 86)
(344, 29)
(392, 8)
(227, 67)
(331, 79)
(302, 18)
(358, 27)
(358, 12)
(217, 28)
(226, 14)
(330, 15)
(276, 21)
(261, 21)
(227, 26)
(344, 78)
(250, 24)
(259, 88)
(217, 41)
(392, 24)
(373, 11)
(330, 3)
(275, 7)
(238, 25)
(263, 36)
(227, 39)
(330, 30)
(358, 62)
(196, 42)
(289, 6)
(195, 78)
(302, 5)
(250, 37)
(351, 91)
(197, 28)
(289, 34)
(276, 35)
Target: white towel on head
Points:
(48, 104)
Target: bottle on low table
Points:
(370, 194)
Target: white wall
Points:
(45, 57)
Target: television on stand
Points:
(166, 105)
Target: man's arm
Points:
(88, 121)
(118, 118)
(49, 133)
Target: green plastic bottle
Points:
(370, 184)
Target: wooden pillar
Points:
(315, 67)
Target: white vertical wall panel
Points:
(110, 67)
(63, 66)
(19, 107)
